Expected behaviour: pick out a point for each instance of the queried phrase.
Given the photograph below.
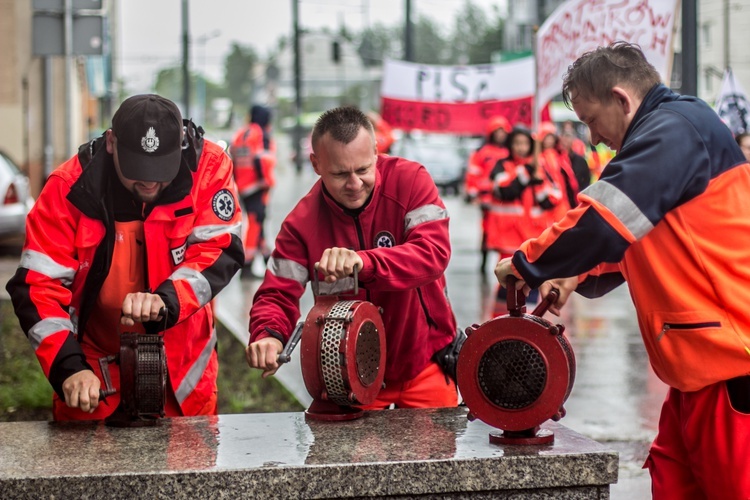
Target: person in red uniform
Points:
(477, 183)
(253, 153)
(669, 216)
(522, 198)
(558, 168)
(135, 233)
(384, 216)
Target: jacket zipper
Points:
(429, 319)
(686, 326)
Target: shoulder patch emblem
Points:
(384, 239)
(223, 205)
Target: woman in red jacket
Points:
(477, 183)
(522, 195)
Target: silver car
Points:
(15, 198)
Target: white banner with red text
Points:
(456, 99)
(578, 26)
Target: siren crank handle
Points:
(544, 305)
(286, 354)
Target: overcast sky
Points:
(150, 30)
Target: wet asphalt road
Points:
(616, 398)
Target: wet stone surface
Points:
(393, 453)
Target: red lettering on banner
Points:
(458, 118)
(587, 24)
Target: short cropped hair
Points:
(596, 73)
(343, 123)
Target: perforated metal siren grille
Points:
(150, 375)
(512, 374)
(368, 353)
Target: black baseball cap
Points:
(148, 128)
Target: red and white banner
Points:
(456, 99)
(578, 26)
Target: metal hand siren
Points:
(343, 354)
(143, 380)
(515, 371)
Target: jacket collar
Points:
(658, 94)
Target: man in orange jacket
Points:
(253, 151)
(142, 221)
(669, 215)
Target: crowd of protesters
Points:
(524, 180)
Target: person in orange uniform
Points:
(522, 197)
(384, 138)
(477, 183)
(669, 216)
(137, 232)
(253, 151)
(557, 167)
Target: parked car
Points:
(444, 156)
(15, 198)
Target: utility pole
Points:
(297, 136)
(689, 48)
(408, 35)
(69, 84)
(185, 59)
(727, 60)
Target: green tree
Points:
(430, 44)
(476, 35)
(377, 43)
(238, 75)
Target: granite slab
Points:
(404, 453)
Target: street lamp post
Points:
(201, 80)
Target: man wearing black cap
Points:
(136, 233)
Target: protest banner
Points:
(456, 99)
(732, 105)
(578, 26)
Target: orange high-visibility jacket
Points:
(671, 216)
(519, 207)
(254, 157)
(193, 248)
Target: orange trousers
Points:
(430, 389)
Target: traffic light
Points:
(336, 51)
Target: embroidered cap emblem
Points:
(384, 239)
(150, 143)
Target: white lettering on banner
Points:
(578, 26)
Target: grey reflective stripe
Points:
(47, 327)
(194, 374)
(198, 282)
(423, 214)
(289, 269)
(41, 263)
(506, 209)
(337, 287)
(621, 206)
(206, 233)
